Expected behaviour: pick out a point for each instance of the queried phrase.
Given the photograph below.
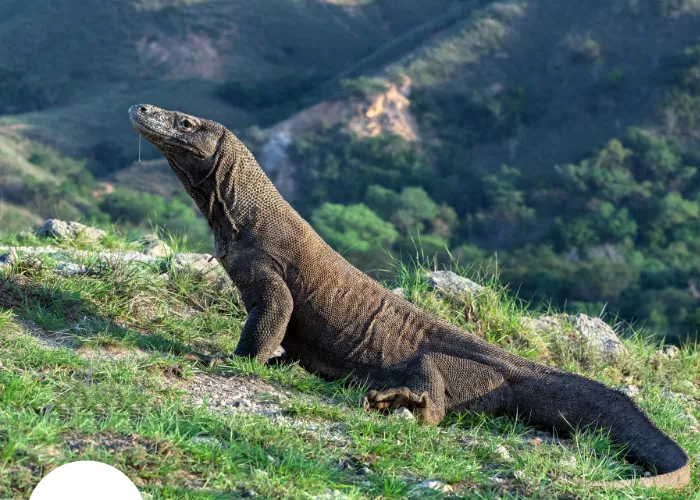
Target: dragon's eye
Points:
(187, 124)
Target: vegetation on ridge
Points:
(115, 338)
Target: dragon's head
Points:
(190, 144)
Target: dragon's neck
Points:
(238, 197)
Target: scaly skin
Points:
(336, 321)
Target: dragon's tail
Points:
(560, 401)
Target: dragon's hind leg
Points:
(422, 391)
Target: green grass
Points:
(93, 368)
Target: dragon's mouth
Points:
(148, 121)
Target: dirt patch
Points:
(251, 395)
(47, 339)
(232, 394)
(195, 56)
(143, 457)
(111, 352)
(387, 114)
(79, 443)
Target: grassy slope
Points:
(173, 53)
(92, 367)
(531, 45)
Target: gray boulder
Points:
(8, 258)
(69, 230)
(599, 335)
(435, 485)
(197, 262)
(154, 246)
(588, 333)
(449, 284)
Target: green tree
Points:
(355, 228)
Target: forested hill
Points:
(552, 143)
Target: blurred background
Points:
(553, 144)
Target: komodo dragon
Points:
(336, 321)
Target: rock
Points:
(670, 351)
(223, 283)
(537, 438)
(630, 390)
(403, 413)
(154, 246)
(435, 485)
(469, 442)
(600, 336)
(502, 452)
(686, 386)
(399, 291)
(544, 323)
(205, 440)
(666, 353)
(8, 258)
(71, 268)
(675, 396)
(450, 284)
(55, 228)
(592, 333)
(330, 494)
(536, 441)
(364, 471)
(196, 262)
(30, 262)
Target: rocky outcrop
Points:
(385, 112)
(449, 284)
(583, 333)
(55, 228)
(154, 246)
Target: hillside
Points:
(97, 337)
(554, 146)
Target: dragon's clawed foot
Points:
(393, 398)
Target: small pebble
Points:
(670, 351)
(205, 440)
(432, 484)
(535, 441)
(330, 494)
(403, 413)
(469, 442)
(502, 452)
(241, 403)
(630, 390)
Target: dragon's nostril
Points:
(142, 109)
